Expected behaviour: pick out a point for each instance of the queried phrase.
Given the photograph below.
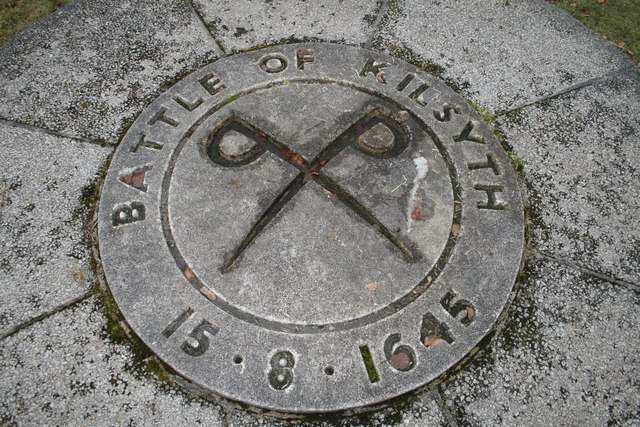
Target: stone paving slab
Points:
(582, 152)
(90, 67)
(245, 24)
(421, 410)
(64, 371)
(500, 53)
(67, 371)
(47, 182)
(567, 354)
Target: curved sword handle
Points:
(261, 144)
(352, 137)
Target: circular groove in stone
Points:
(414, 292)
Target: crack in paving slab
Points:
(43, 316)
(49, 181)
(204, 26)
(51, 132)
(585, 270)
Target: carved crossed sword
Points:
(310, 170)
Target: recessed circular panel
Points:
(310, 228)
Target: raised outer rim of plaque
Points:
(366, 405)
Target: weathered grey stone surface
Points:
(67, 370)
(316, 249)
(582, 152)
(64, 370)
(324, 276)
(567, 355)
(419, 410)
(567, 350)
(89, 68)
(47, 183)
(245, 24)
(500, 54)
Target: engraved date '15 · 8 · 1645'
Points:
(401, 357)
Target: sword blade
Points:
(355, 206)
(275, 207)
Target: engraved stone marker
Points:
(310, 227)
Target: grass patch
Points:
(18, 15)
(489, 119)
(617, 20)
(517, 161)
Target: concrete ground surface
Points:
(566, 101)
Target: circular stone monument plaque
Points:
(310, 227)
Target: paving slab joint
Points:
(84, 212)
(292, 39)
(69, 304)
(584, 270)
(436, 393)
(575, 87)
(381, 13)
(204, 26)
(39, 129)
(3, 190)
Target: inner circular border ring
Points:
(301, 328)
